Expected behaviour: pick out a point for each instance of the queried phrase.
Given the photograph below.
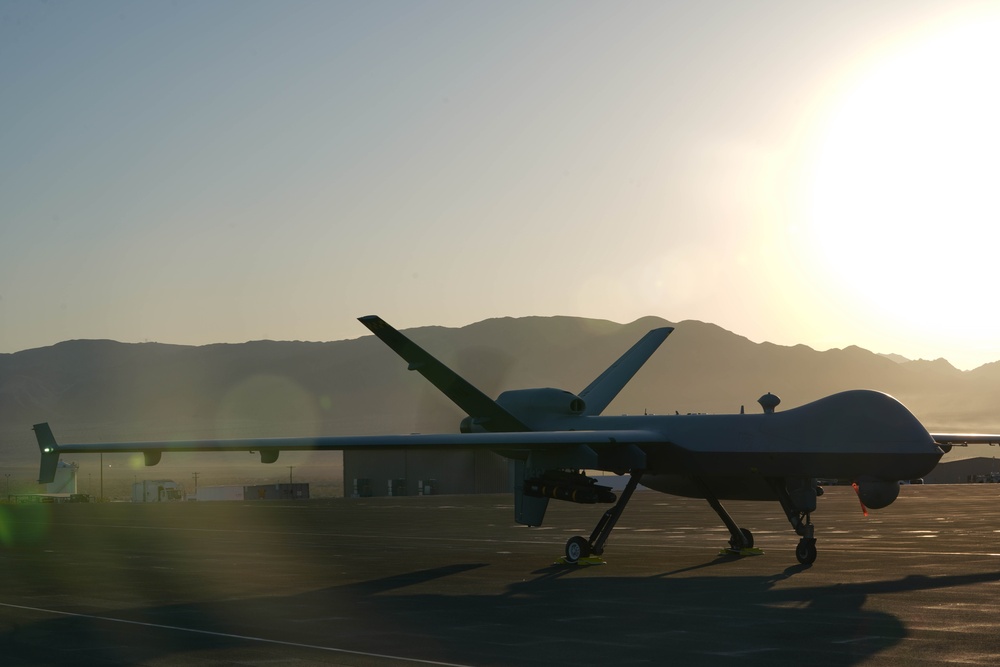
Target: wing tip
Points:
(373, 322)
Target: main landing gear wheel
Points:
(737, 544)
(805, 552)
(577, 548)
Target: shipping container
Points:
(210, 493)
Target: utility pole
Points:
(290, 475)
(195, 475)
(101, 498)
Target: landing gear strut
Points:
(577, 547)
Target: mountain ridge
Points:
(102, 389)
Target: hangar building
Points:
(375, 473)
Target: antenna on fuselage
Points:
(769, 402)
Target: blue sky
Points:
(197, 172)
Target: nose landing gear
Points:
(798, 511)
(805, 552)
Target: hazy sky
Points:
(197, 172)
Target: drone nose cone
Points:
(769, 402)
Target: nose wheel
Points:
(805, 552)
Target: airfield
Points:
(452, 580)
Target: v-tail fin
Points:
(608, 384)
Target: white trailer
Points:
(157, 491)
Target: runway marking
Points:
(867, 638)
(542, 540)
(545, 540)
(227, 635)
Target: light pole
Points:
(290, 475)
(195, 475)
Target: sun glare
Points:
(904, 207)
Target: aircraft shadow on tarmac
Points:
(556, 617)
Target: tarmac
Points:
(452, 580)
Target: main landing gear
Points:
(797, 498)
(578, 547)
(741, 539)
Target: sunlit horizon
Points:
(224, 172)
